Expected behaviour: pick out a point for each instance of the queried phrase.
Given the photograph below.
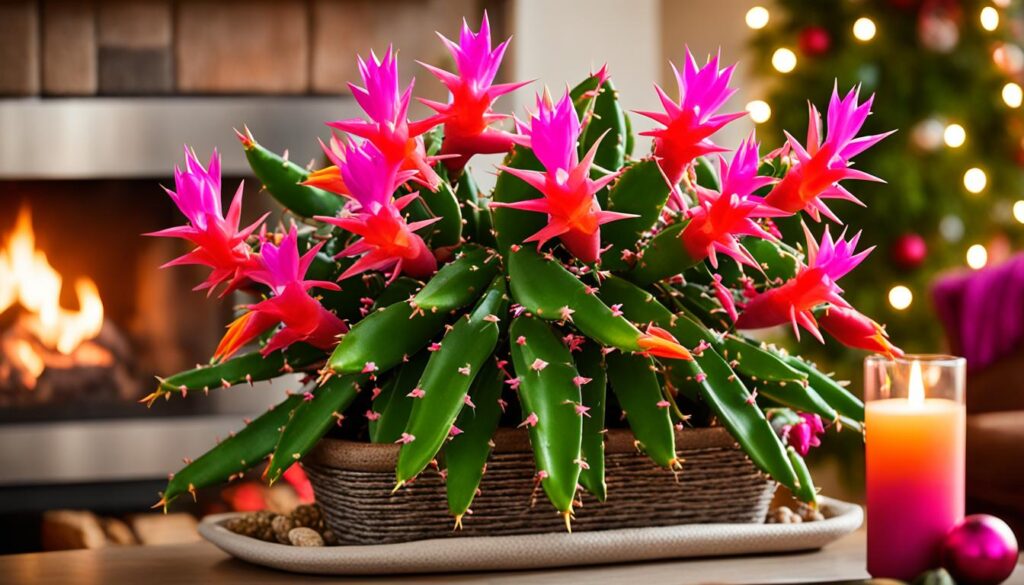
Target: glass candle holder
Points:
(915, 435)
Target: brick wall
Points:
(216, 47)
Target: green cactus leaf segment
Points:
(549, 397)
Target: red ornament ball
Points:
(981, 550)
(909, 251)
(814, 41)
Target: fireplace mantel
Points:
(125, 138)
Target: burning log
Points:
(49, 352)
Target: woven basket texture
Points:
(717, 484)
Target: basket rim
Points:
(373, 457)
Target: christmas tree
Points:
(948, 75)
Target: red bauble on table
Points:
(814, 41)
(909, 251)
(981, 550)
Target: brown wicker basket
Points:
(718, 484)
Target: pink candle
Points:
(915, 428)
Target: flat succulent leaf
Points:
(281, 179)
(446, 381)
(465, 455)
(459, 282)
(248, 367)
(442, 203)
(385, 338)
(608, 121)
(393, 405)
(842, 400)
(549, 396)
(584, 95)
(235, 454)
(778, 262)
(546, 289)
(388, 336)
(640, 190)
(310, 421)
(706, 174)
(662, 257)
(738, 411)
(468, 195)
(630, 138)
(756, 362)
(590, 364)
(795, 395)
(401, 289)
(639, 393)
(804, 490)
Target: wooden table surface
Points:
(842, 561)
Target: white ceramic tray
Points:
(536, 551)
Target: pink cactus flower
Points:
(721, 216)
(469, 113)
(819, 167)
(814, 285)
(725, 297)
(219, 244)
(854, 329)
(804, 434)
(574, 215)
(689, 123)
(304, 318)
(389, 129)
(388, 243)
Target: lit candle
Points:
(915, 429)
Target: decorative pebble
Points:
(783, 515)
(303, 536)
(272, 527)
(282, 525)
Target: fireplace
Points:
(87, 319)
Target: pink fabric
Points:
(983, 311)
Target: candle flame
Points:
(915, 389)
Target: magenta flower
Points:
(689, 123)
(304, 318)
(574, 215)
(814, 285)
(389, 128)
(817, 170)
(854, 329)
(721, 216)
(388, 243)
(219, 244)
(804, 434)
(469, 113)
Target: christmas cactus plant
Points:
(589, 289)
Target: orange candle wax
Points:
(915, 479)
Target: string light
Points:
(975, 180)
(759, 111)
(784, 60)
(989, 18)
(900, 297)
(1002, 3)
(977, 256)
(757, 17)
(864, 29)
(1013, 95)
(1018, 211)
(954, 135)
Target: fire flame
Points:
(28, 280)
